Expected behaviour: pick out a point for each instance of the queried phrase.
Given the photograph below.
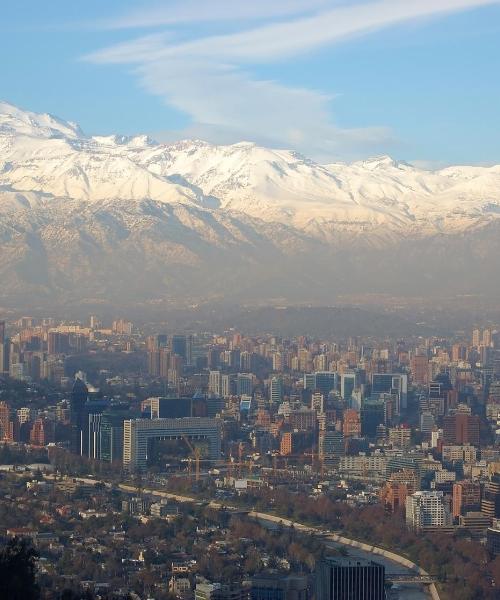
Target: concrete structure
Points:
(349, 578)
(427, 510)
(137, 434)
(278, 586)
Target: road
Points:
(415, 591)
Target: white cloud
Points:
(210, 78)
(190, 11)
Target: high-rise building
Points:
(348, 383)
(372, 414)
(331, 446)
(214, 383)
(79, 397)
(392, 383)
(138, 433)
(6, 425)
(279, 586)
(182, 346)
(276, 390)
(345, 578)
(400, 437)
(111, 433)
(228, 385)
(419, 366)
(427, 510)
(352, 424)
(461, 428)
(244, 384)
(325, 382)
(42, 432)
(466, 497)
(490, 501)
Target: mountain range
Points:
(128, 221)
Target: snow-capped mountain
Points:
(126, 218)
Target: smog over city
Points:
(250, 300)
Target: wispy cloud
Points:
(196, 11)
(210, 77)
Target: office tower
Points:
(58, 343)
(427, 510)
(94, 435)
(348, 383)
(400, 437)
(179, 346)
(372, 414)
(244, 384)
(139, 433)
(6, 425)
(493, 539)
(154, 363)
(23, 415)
(89, 438)
(318, 402)
(392, 383)
(171, 408)
(111, 433)
(277, 362)
(490, 502)
(466, 497)
(325, 382)
(352, 424)
(427, 424)
(247, 361)
(419, 366)
(331, 446)
(279, 586)
(228, 385)
(122, 327)
(476, 338)
(276, 390)
(213, 358)
(214, 383)
(309, 381)
(79, 397)
(461, 428)
(458, 352)
(42, 432)
(349, 578)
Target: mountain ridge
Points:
(113, 215)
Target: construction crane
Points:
(197, 455)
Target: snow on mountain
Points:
(129, 215)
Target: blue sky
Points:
(417, 79)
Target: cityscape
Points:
(225, 465)
(250, 300)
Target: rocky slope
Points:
(127, 220)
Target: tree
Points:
(17, 571)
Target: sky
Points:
(332, 79)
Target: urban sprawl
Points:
(142, 462)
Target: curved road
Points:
(413, 591)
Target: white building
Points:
(426, 510)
